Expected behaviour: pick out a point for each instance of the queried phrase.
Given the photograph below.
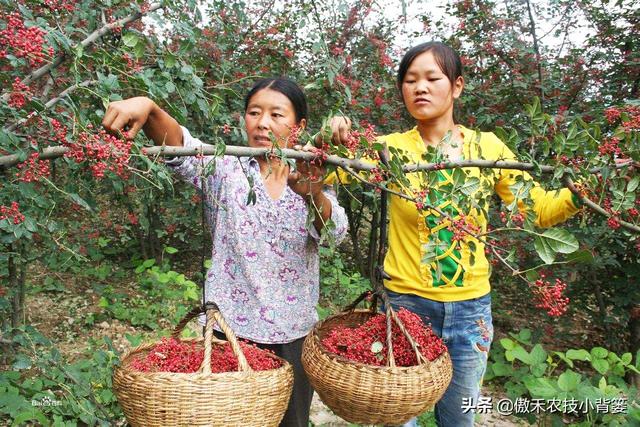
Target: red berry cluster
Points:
(103, 151)
(133, 66)
(171, 355)
(60, 5)
(462, 226)
(575, 162)
(613, 222)
(610, 146)
(631, 121)
(367, 343)
(516, 219)
(12, 213)
(612, 114)
(356, 137)
(376, 176)
(25, 42)
(19, 94)
(421, 199)
(32, 169)
(550, 297)
(294, 136)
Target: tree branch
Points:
(50, 103)
(42, 71)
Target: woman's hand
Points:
(340, 126)
(307, 180)
(128, 116)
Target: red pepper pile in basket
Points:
(368, 343)
(171, 355)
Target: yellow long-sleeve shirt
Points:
(410, 229)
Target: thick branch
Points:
(35, 75)
(349, 165)
(356, 164)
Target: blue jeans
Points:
(466, 328)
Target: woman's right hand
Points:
(128, 116)
(340, 127)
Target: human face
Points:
(427, 92)
(270, 114)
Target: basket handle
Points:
(213, 316)
(362, 297)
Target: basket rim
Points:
(285, 365)
(313, 334)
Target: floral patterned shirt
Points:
(265, 265)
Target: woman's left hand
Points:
(307, 180)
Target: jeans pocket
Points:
(479, 330)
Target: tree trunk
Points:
(16, 284)
(634, 341)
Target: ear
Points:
(302, 124)
(458, 85)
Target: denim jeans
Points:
(467, 330)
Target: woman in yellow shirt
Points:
(451, 289)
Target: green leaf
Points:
(569, 380)
(130, 39)
(22, 362)
(538, 354)
(599, 352)
(170, 250)
(507, 344)
(521, 354)
(544, 250)
(578, 355)
(600, 365)
(30, 415)
(470, 186)
(540, 387)
(633, 184)
(502, 369)
(561, 241)
(148, 263)
(582, 256)
(80, 201)
(564, 358)
(524, 335)
(538, 370)
(626, 359)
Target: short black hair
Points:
(285, 86)
(447, 58)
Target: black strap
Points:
(379, 273)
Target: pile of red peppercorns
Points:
(171, 355)
(367, 343)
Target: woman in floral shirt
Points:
(265, 270)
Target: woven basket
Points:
(366, 394)
(243, 398)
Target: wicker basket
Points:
(243, 398)
(366, 394)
